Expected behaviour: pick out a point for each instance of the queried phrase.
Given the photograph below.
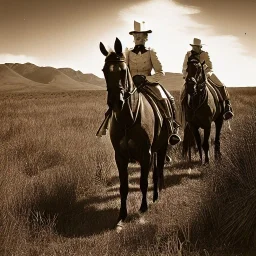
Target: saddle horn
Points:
(103, 49)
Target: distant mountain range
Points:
(15, 77)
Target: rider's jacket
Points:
(143, 63)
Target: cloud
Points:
(11, 58)
(174, 28)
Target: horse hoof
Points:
(142, 220)
(119, 226)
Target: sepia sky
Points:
(67, 33)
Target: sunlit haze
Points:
(70, 36)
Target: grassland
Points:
(60, 189)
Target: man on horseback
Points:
(211, 77)
(141, 60)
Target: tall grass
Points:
(59, 185)
(228, 213)
(49, 159)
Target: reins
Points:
(129, 94)
(200, 87)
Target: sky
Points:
(67, 33)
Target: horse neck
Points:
(130, 88)
(201, 95)
(199, 98)
(127, 116)
(130, 84)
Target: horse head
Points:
(195, 80)
(117, 76)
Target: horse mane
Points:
(193, 58)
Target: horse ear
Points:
(118, 46)
(103, 49)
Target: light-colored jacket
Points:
(143, 64)
(204, 56)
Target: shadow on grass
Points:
(185, 165)
(86, 218)
(86, 221)
(176, 179)
(170, 178)
(132, 189)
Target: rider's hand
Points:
(139, 80)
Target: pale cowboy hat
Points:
(196, 42)
(139, 27)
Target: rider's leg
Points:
(228, 112)
(172, 125)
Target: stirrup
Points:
(174, 139)
(228, 115)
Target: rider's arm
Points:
(185, 65)
(208, 64)
(157, 66)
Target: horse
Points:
(201, 107)
(132, 129)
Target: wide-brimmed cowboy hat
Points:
(197, 42)
(139, 27)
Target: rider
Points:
(211, 77)
(141, 60)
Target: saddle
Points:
(156, 109)
(154, 103)
(214, 90)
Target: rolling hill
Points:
(80, 77)
(11, 81)
(16, 77)
(172, 81)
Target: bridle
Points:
(125, 85)
(195, 79)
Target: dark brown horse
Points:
(201, 107)
(133, 131)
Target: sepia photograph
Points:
(128, 128)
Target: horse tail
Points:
(188, 142)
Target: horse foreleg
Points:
(155, 177)
(218, 126)
(160, 165)
(198, 141)
(206, 144)
(158, 172)
(122, 165)
(145, 167)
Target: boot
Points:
(170, 117)
(175, 138)
(228, 112)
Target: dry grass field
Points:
(60, 190)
